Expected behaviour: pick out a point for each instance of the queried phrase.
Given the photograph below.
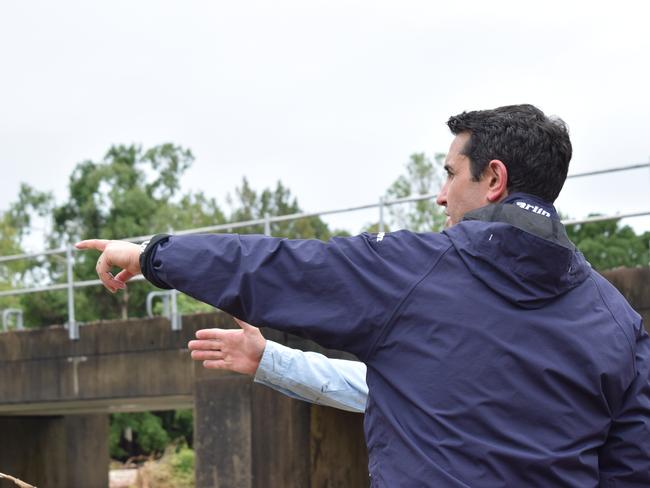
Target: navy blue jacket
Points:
(496, 356)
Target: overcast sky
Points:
(331, 97)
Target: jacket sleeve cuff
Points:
(146, 261)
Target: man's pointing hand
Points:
(121, 254)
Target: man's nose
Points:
(441, 198)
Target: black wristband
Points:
(146, 264)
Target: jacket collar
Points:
(531, 203)
(524, 217)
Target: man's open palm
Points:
(238, 350)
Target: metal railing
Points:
(610, 170)
(73, 326)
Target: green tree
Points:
(608, 245)
(132, 434)
(248, 204)
(15, 226)
(131, 192)
(9, 245)
(422, 176)
(31, 204)
(10, 271)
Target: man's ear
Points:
(497, 180)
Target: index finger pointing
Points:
(99, 244)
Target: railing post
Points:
(381, 214)
(267, 224)
(175, 316)
(73, 327)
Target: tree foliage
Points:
(9, 245)
(422, 176)
(248, 204)
(138, 433)
(15, 226)
(10, 271)
(130, 192)
(608, 245)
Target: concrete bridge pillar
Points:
(55, 451)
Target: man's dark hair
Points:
(535, 148)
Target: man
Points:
(307, 376)
(495, 355)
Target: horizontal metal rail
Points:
(280, 218)
(58, 286)
(49, 252)
(610, 170)
(603, 218)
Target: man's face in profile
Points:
(460, 193)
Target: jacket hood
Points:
(525, 257)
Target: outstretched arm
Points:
(342, 293)
(306, 376)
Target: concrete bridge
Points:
(56, 394)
